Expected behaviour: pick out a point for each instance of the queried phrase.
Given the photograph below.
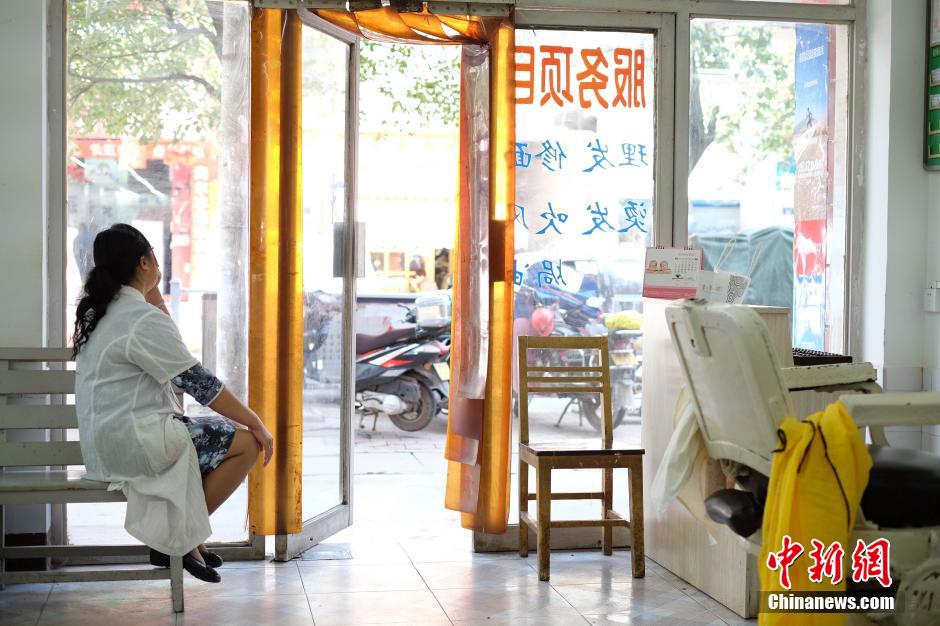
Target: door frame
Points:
(671, 226)
(340, 516)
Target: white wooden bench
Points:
(35, 472)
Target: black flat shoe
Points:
(212, 559)
(190, 564)
(159, 559)
(196, 569)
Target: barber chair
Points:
(740, 396)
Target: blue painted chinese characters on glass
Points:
(543, 272)
(551, 216)
(551, 156)
(599, 217)
(635, 217)
(599, 154)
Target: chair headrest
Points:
(734, 377)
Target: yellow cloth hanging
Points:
(816, 483)
(275, 297)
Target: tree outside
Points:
(753, 55)
(144, 87)
(154, 72)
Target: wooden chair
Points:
(545, 457)
(27, 478)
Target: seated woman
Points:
(175, 470)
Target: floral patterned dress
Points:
(212, 435)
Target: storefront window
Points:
(767, 165)
(157, 137)
(585, 137)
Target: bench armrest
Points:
(814, 376)
(894, 409)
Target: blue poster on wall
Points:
(811, 76)
(812, 198)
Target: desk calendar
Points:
(671, 273)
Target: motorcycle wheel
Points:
(591, 410)
(421, 416)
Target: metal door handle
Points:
(339, 249)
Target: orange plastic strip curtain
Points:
(492, 511)
(275, 358)
(386, 24)
(465, 414)
(478, 434)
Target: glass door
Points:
(330, 74)
(594, 117)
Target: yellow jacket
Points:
(817, 478)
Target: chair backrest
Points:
(734, 378)
(22, 378)
(584, 376)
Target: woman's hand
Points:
(155, 298)
(231, 407)
(264, 439)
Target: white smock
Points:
(125, 406)
(686, 472)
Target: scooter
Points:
(404, 372)
(320, 309)
(557, 312)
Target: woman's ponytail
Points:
(117, 252)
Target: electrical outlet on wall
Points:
(932, 298)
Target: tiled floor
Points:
(358, 580)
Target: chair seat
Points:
(584, 447)
(48, 480)
(903, 488)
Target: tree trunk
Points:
(700, 135)
(232, 335)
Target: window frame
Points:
(56, 324)
(853, 16)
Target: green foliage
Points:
(420, 84)
(758, 59)
(148, 69)
(153, 69)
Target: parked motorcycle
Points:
(555, 311)
(404, 372)
(320, 310)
